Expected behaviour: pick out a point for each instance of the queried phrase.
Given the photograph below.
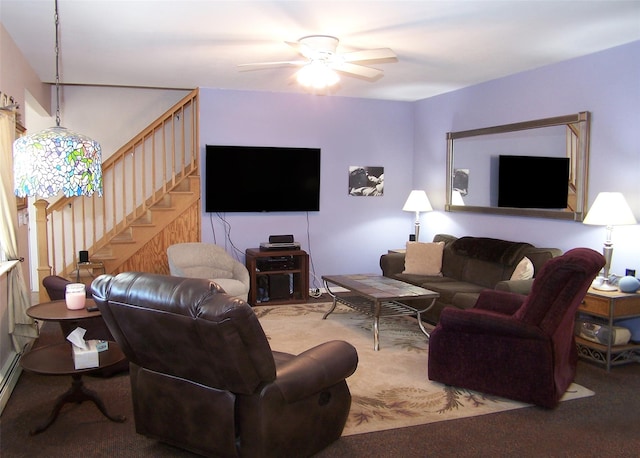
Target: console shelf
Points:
(277, 276)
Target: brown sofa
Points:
(470, 265)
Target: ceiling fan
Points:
(320, 56)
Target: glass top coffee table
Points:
(378, 296)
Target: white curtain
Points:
(21, 327)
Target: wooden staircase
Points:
(151, 199)
(156, 218)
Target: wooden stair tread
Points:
(123, 242)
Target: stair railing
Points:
(136, 177)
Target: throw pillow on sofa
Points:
(523, 271)
(423, 258)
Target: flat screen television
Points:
(533, 182)
(262, 179)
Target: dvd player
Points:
(280, 246)
(275, 263)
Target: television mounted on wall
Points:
(533, 182)
(261, 179)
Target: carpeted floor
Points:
(390, 388)
(600, 425)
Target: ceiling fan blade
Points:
(294, 44)
(303, 49)
(266, 64)
(359, 70)
(369, 54)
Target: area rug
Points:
(390, 388)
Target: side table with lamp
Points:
(604, 301)
(609, 209)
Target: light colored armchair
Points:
(206, 260)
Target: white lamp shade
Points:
(456, 198)
(610, 209)
(417, 202)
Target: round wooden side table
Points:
(57, 359)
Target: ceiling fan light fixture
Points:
(322, 65)
(317, 75)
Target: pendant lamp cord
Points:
(57, 67)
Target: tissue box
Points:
(84, 359)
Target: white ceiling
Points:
(441, 45)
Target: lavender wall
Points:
(607, 84)
(408, 139)
(349, 233)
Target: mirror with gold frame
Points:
(473, 158)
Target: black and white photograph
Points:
(366, 181)
(461, 181)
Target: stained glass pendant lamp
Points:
(57, 159)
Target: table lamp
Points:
(417, 202)
(609, 209)
(456, 198)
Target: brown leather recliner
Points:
(204, 378)
(514, 346)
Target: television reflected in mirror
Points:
(533, 182)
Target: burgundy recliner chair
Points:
(514, 346)
(204, 378)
